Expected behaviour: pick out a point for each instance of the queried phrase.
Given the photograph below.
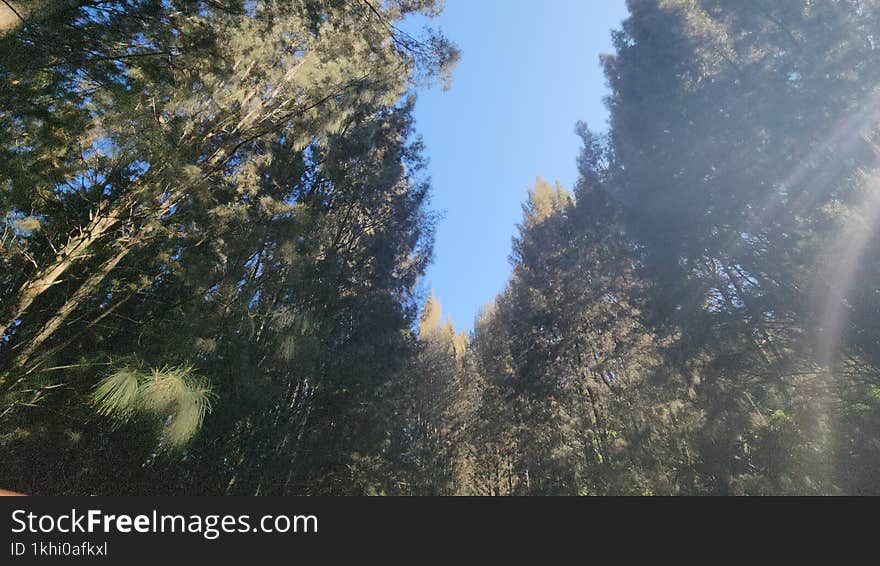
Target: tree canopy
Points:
(215, 225)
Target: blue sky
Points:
(529, 71)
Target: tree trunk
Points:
(81, 294)
(76, 248)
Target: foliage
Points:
(173, 396)
(235, 190)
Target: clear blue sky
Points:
(529, 71)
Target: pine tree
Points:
(737, 129)
(228, 187)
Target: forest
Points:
(215, 217)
